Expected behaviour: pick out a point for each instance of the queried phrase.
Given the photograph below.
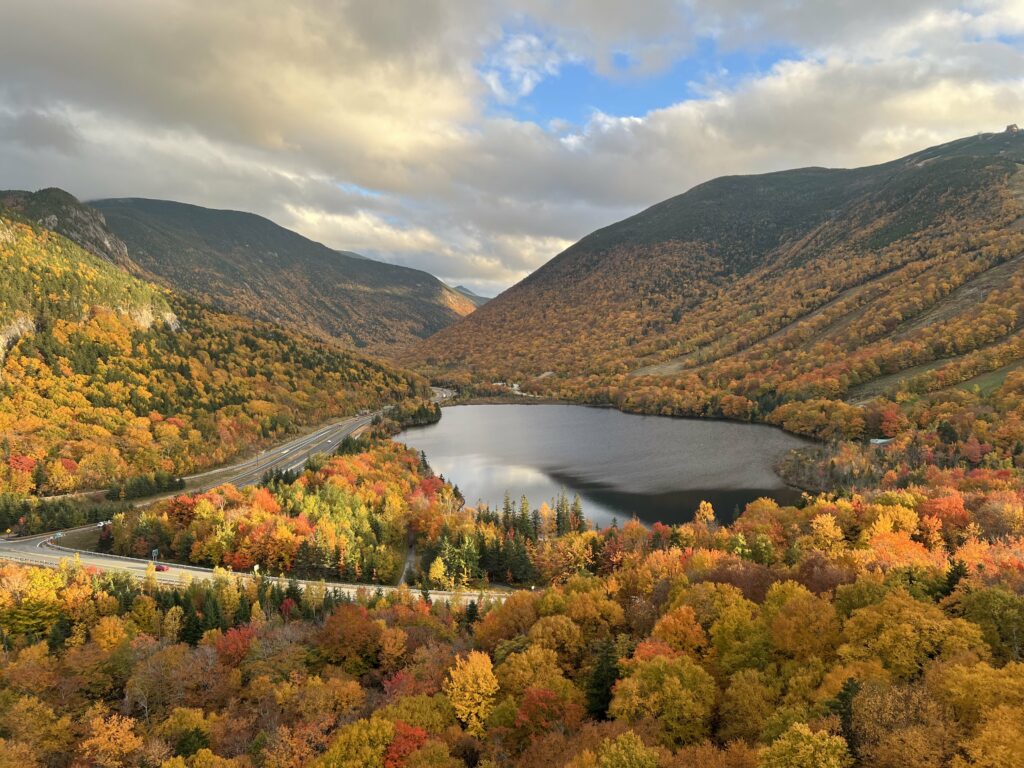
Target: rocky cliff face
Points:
(22, 325)
(61, 212)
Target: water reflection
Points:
(620, 464)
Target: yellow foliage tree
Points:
(471, 687)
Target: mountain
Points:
(477, 299)
(750, 292)
(105, 377)
(61, 212)
(245, 264)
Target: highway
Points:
(285, 457)
(46, 550)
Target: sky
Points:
(477, 139)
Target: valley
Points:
(350, 575)
(247, 265)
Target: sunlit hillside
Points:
(105, 376)
(750, 293)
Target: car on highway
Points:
(161, 567)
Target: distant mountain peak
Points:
(244, 263)
(476, 298)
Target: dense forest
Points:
(883, 630)
(352, 518)
(105, 377)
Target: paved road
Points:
(289, 456)
(46, 550)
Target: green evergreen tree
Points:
(578, 522)
(562, 514)
(601, 680)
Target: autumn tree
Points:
(799, 747)
(471, 687)
(676, 693)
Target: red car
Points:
(162, 567)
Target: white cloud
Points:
(293, 110)
(519, 64)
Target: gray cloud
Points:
(366, 125)
(34, 130)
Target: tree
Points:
(676, 693)
(361, 744)
(438, 575)
(112, 742)
(1000, 614)
(904, 633)
(471, 687)
(14, 754)
(679, 630)
(748, 703)
(407, 739)
(801, 625)
(350, 639)
(799, 747)
(999, 742)
(33, 722)
(602, 679)
(626, 751)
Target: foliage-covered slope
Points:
(746, 293)
(61, 212)
(477, 299)
(106, 376)
(242, 263)
(878, 631)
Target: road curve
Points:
(45, 550)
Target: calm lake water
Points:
(620, 464)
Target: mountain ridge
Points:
(476, 298)
(244, 263)
(772, 288)
(62, 212)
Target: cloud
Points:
(35, 130)
(371, 127)
(519, 64)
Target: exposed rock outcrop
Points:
(22, 325)
(61, 212)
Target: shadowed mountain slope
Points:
(246, 264)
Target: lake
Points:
(621, 465)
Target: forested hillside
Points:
(883, 631)
(245, 264)
(61, 212)
(105, 376)
(787, 297)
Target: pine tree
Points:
(578, 522)
(523, 525)
(562, 514)
(601, 680)
(212, 615)
(192, 628)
